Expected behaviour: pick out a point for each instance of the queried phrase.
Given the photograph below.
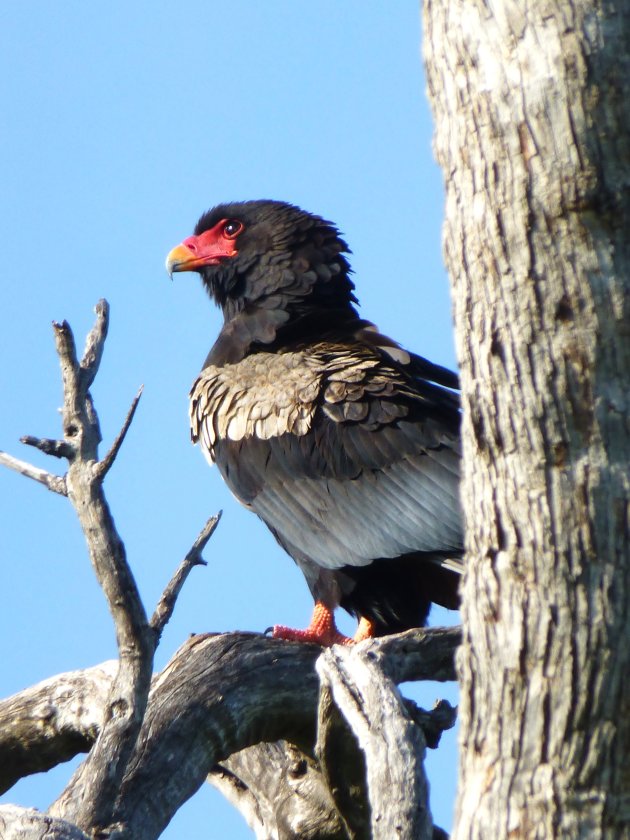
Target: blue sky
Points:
(122, 122)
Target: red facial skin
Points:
(211, 247)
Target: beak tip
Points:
(177, 260)
(170, 266)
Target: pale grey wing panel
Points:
(412, 505)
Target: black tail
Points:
(396, 594)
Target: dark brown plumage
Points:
(345, 445)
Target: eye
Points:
(232, 228)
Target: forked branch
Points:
(89, 800)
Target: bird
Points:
(346, 445)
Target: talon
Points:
(321, 631)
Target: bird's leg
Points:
(322, 630)
(365, 630)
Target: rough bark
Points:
(294, 801)
(18, 823)
(393, 800)
(52, 721)
(533, 135)
(218, 695)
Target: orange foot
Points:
(322, 630)
(365, 630)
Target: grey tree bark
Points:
(532, 118)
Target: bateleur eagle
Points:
(344, 444)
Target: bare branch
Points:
(342, 763)
(52, 721)
(424, 653)
(443, 716)
(56, 483)
(89, 799)
(393, 745)
(166, 604)
(103, 467)
(94, 345)
(218, 694)
(67, 708)
(56, 448)
(17, 823)
(67, 352)
(293, 801)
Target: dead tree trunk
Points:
(533, 134)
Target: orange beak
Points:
(181, 258)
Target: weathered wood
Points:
(418, 654)
(392, 744)
(294, 800)
(56, 483)
(533, 135)
(88, 799)
(218, 695)
(18, 823)
(165, 606)
(52, 721)
(343, 766)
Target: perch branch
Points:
(218, 695)
(166, 604)
(419, 654)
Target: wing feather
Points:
(345, 455)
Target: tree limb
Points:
(166, 604)
(89, 798)
(424, 653)
(56, 448)
(52, 721)
(392, 744)
(18, 823)
(94, 345)
(103, 467)
(294, 800)
(56, 483)
(219, 695)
